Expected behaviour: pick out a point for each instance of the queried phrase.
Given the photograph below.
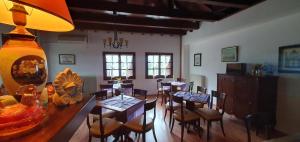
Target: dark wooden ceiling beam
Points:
(144, 10)
(134, 21)
(223, 3)
(111, 27)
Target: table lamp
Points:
(23, 61)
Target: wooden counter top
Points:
(62, 122)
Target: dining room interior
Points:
(149, 70)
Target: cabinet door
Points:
(245, 91)
(226, 85)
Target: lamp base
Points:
(23, 61)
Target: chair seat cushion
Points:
(188, 115)
(110, 126)
(209, 114)
(137, 124)
(175, 105)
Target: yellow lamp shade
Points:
(47, 15)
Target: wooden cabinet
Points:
(249, 94)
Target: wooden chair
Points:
(211, 115)
(171, 107)
(127, 88)
(184, 116)
(107, 113)
(180, 79)
(166, 87)
(127, 81)
(140, 93)
(103, 127)
(100, 94)
(108, 87)
(112, 81)
(201, 89)
(191, 86)
(175, 88)
(159, 87)
(214, 94)
(144, 123)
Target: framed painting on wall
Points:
(197, 59)
(289, 59)
(229, 54)
(66, 59)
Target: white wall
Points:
(258, 31)
(89, 56)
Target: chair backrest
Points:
(166, 84)
(178, 100)
(112, 81)
(214, 94)
(201, 89)
(100, 94)
(221, 99)
(149, 106)
(158, 83)
(106, 86)
(127, 85)
(180, 79)
(97, 110)
(140, 92)
(127, 81)
(175, 88)
(191, 86)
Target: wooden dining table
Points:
(192, 98)
(127, 107)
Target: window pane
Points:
(108, 65)
(168, 65)
(168, 59)
(150, 72)
(108, 73)
(124, 66)
(130, 65)
(162, 59)
(150, 58)
(108, 58)
(156, 65)
(115, 73)
(115, 65)
(163, 72)
(115, 58)
(130, 58)
(168, 72)
(126, 73)
(150, 65)
(156, 58)
(156, 72)
(123, 58)
(162, 65)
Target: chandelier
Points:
(115, 42)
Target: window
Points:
(159, 65)
(117, 64)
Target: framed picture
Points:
(229, 54)
(197, 59)
(289, 59)
(66, 59)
